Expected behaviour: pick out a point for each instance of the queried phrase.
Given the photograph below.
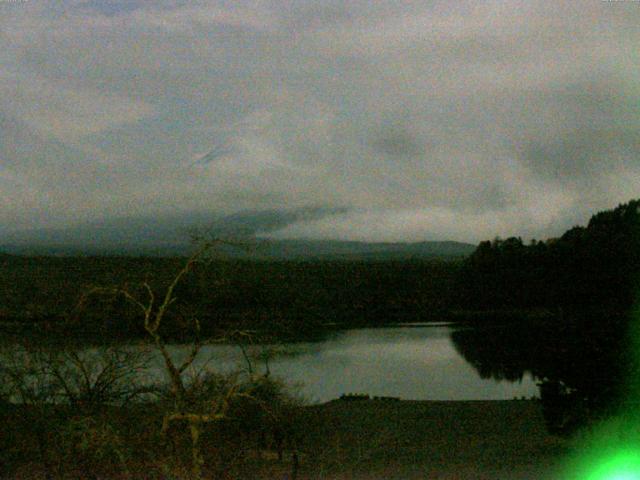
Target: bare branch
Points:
(195, 348)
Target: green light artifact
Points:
(621, 465)
(611, 450)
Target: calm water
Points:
(418, 363)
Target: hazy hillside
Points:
(170, 235)
(333, 249)
(258, 249)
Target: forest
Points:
(588, 268)
(584, 353)
(562, 310)
(286, 299)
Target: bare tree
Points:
(154, 306)
(25, 381)
(90, 378)
(45, 379)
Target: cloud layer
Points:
(402, 120)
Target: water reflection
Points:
(501, 353)
(419, 363)
(583, 363)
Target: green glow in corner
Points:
(611, 450)
(623, 465)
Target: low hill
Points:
(170, 236)
(336, 250)
(260, 249)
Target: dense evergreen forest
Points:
(585, 355)
(588, 270)
(282, 298)
(592, 267)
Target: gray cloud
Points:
(425, 120)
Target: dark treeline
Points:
(582, 355)
(282, 298)
(593, 267)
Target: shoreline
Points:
(407, 439)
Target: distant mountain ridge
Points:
(263, 249)
(336, 249)
(170, 236)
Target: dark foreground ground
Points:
(431, 440)
(398, 440)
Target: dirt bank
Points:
(434, 440)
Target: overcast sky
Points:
(405, 120)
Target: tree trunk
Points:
(196, 455)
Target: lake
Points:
(411, 362)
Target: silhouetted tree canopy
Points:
(582, 357)
(587, 267)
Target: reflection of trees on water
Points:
(581, 364)
(485, 350)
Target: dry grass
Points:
(480, 439)
(366, 440)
